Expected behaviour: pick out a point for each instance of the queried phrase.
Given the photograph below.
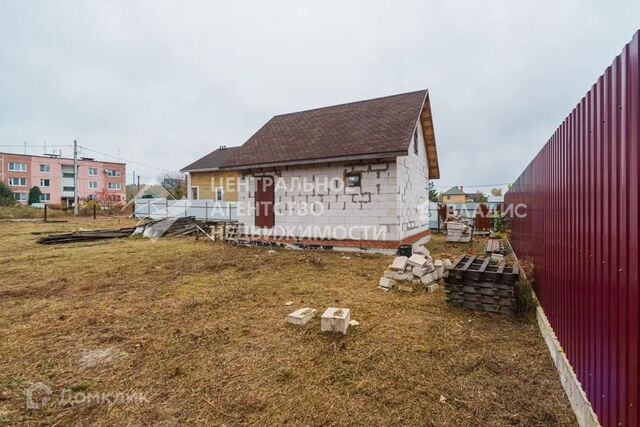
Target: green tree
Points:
(6, 195)
(433, 193)
(34, 195)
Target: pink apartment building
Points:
(55, 178)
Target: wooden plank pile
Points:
(174, 226)
(482, 284)
(85, 236)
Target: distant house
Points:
(353, 174)
(457, 195)
(454, 195)
(205, 179)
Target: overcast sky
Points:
(163, 83)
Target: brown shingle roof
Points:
(212, 160)
(375, 127)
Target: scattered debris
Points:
(171, 227)
(482, 284)
(301, 316)
(288, 303)
(443, 399)
(346, 257)
(354, 322)
(271, 251)
(335, 320)
(85, 236)
(432, 287)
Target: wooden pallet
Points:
(480, 283)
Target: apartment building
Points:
(55, 177)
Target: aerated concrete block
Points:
(335, 320)
(301, 316)
(421, 250)
(427, 279)
(420, 271)
(432, 288)
(417, 260)
(387, 283)
(400, 263)
(447, 264)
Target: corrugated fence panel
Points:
(580, 195)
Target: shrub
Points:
(34, 195)
(6, 195)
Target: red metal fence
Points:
(581, 231)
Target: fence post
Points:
(206, 211)
(149, 208)
(45, 213)
(229, 210)
(94, 211)
(186, 208)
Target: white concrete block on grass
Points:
(447, 264)
(387, 283)
(432, 288)
(301, 316)
(400, 263)
(427, 279)
(420, 271)
(422, 251)
(335, 320)
(417, 260)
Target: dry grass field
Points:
(195, 332)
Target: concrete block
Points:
(432, 288)
(301, 316)
(335, 320)
(405, 288)
(417, 260)
(497, 257)
(387, 283)
(400, 263)
(435, 274)
(448, 264)
(421, 250)
(426, 279)
(420, 271)
(438, 263)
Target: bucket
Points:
(405, 250)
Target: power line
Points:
(126, 160)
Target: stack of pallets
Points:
(482, 284)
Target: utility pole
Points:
(76, 209)
(138, 189)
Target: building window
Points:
(415, 141)
(113, 185)
(195, 193)
(67, 188)
(17, 167)
(93, 171)
(44, 168)
(113, 172)
(18, 182)
(218, 194)
(353, 179)
(45, 197)
(45, 182)
(93, 185)
(21, 197)
(67, 174)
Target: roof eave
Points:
(429, 136)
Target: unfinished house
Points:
(349, 175)
(205, 180)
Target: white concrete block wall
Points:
(412, 189)
(374, 204)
